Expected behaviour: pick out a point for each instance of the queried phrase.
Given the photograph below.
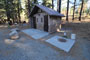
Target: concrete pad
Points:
(66, 46)
(34, 33)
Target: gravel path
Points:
(28, 49)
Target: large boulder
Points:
(14, 35)
(15, 29)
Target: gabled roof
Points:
(46, 9)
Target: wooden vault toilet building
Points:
(44, 18)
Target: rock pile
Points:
(14, 34)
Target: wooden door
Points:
(34, 22)
(46, 23)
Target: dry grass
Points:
(81, 29)
(76, 19)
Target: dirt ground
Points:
(27, 48)
(82, 31)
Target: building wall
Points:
(54, 24)
(40, 20)
(30, 21)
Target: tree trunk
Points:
(81, 10)
(67, 10)
(59, 6)
(52, 4)
(8, 18)
(29, 8)
(35, 1)
(7, 11)
(74, 9)
(14, 19)
(19, 17)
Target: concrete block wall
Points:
(54, 24)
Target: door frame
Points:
(46, 23)
(34, 22)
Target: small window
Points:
(37, 19)
(41, 19)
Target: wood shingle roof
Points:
(46, 9)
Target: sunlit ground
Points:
(1, 26)
(9, 41)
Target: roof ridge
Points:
(49, 10)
